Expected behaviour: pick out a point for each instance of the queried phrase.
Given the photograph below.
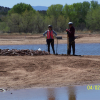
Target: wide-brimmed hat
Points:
(70, 23)
(49, 26)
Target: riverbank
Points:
(39, 39)
(48, 71)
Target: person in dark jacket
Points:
(71, 38)
(50, 37)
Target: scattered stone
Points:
(27, 52)
(2, 90)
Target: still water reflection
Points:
(71, 93)
(61, 93)
(81, 49)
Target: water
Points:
(81, 49)
(63, 93)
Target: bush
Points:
(20, 8)
(93, 19)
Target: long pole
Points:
(57, 47)
(67, 42)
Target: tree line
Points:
(23, 18)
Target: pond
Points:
(81, 49)
(60, 93)
(86, 92)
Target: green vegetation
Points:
(23, 18)
(93, 18)
(20, 8)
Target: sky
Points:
(11, 3)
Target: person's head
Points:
(50, 27)
(70, 24)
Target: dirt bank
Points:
(39, 39)
(48, 71)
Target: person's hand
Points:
(66, 30)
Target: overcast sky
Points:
(11, 3)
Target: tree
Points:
(61, 23)
(94, 4)
(69, 12)
(85, 9)
(50, 20)
(28, 21)
(93, 19)
(23, 18)
(81, 10)
(14, 22)
(39, 23)
(54, 11)
(65, 10)
(21, 8)
(4, 27)
(47, 21)
(77, 13)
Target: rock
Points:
(2, 90)
(15, 52)
(32, 54)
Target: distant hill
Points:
(40, 8)
(4, 9)
(37, 8)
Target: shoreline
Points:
(39, 39)
(21, 72)
(48, 71)
(58, 86)
(44, 44)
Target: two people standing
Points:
(71, 38)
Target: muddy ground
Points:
(48, 71)
(39, 39)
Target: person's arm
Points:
(44, 33)
(71, 31)
(55, 33)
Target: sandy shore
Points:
(39, 39)
(48, 71)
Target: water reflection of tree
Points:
(71, 93)
(51, 94)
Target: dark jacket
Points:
(71, 32)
